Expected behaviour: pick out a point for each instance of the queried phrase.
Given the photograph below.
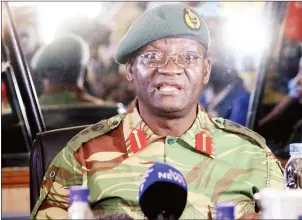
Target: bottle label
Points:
(293, 174)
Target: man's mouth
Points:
(169, 87)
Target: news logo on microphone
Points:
(163, 191)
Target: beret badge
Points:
(191, 19)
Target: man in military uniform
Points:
(61, 65)
(165, 53)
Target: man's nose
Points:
(171, 68)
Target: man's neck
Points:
(164, 126)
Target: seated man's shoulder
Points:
(240, 131)
(98, 129)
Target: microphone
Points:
(163, 192)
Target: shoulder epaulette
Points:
(231, 126)
(95, 130)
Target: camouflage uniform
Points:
(235, 166)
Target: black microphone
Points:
(163, 192)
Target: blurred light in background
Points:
(246, 30)
(246, 33)
(50, 14)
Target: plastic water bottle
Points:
(79, 200)
(293, 168)
(225, 211)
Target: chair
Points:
(63, 116)
(46, 146)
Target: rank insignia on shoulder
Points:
(138, 140)
(203, 143)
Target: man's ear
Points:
(129, 72)
(207, 70)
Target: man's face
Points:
(171, 88)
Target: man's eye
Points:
(189, 56)
(152, 56)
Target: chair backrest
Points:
(63, 116)
(46, 146)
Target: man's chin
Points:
(170, 108)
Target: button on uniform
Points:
(115, 122)
(218, 121)
(52, 174)
(170, 140)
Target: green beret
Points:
(169, 20)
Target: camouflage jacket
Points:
(221, 161)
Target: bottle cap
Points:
(225, 210)
(78, 194)
(295, 149)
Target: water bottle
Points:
(79, 200)
(293, 168)
(279, 204)
(225, 211)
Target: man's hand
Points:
(251, 215)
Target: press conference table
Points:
(15, 193)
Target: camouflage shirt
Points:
(221, 161)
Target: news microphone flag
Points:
(163, 191)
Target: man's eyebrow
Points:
(152, 46)
(187, 47)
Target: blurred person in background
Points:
(288, 64)
(271, 94)
(29, 42)
(124, 15)
(103, 79)
(26, 27)
(123, 93)
(115, 83)
(30, 45)
(285, 118)
(248, 72)
(62, 66)
(225, 95)
(96, 36)
(294, 95)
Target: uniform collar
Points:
(202, 123)
(132, 121)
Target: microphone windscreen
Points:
(163, 190)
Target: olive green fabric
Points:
(172, 20)
(101, 157)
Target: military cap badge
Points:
(191, 19)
